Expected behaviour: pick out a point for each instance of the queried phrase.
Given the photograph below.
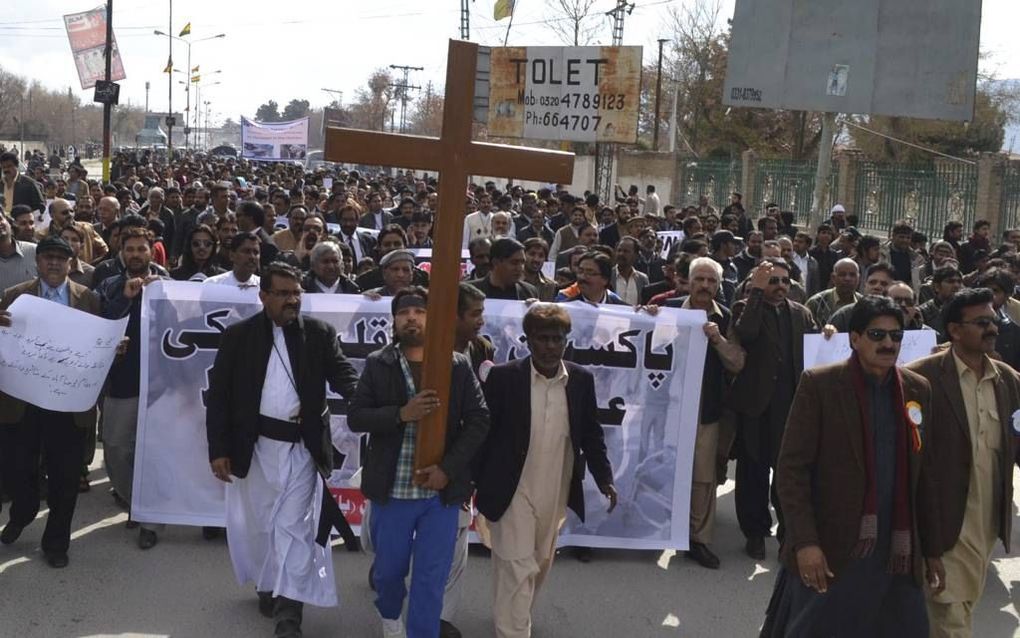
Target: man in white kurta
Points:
(524, 538)
(273, 513)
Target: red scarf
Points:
(900, 550)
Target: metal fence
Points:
(1010, 203)
(926, 195)
(714, 179)
(791, 185)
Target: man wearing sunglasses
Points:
(975, 400)
(855, 479)
(771, 330)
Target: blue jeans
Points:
(426, 530)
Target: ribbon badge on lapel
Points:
(915, 419)
(1016, 423)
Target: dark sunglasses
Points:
(878, 335)
(775, 280)
(199, 243)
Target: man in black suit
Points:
(505, 279)
(361, 243)
(376, 218)
(268, 425)
(532, 463)
(19, 189)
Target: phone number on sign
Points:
(566, 122)
(607, 101)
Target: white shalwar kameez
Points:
(273, 513)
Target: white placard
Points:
(819, 351)
(670, 239)
(274, 140)
(56, 357)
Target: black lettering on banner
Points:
(738, 94)
(573, 72)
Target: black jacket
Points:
(27, 191)
(346, 287)
(237, 376)
(501, 460)
(375, 409)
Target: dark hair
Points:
(902, 227)
(276, 268)
(135, 232)
(943, 273)
(9, 157)
(466, 293)
(764, 220)
(392, 229)
(20, 209)
(604, 264)
(253, 210)
(997, 277)
(872, 307)
(689, 222)
(546, 315)
(216, 188)
(866, 243)
(132, 220)
(949, 228)
(240, 238)
(504, 248)
(536, 242)
(777, 262)
(952, 311)
(592, 200)
(881, 267)
(187, 257)
(802, 235)
(418, 291)
(827, 228)
(631, 240)
(693, 246)
(981, 223)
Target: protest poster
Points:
(86, 32)
(671, 241)
(45, 364)
(647, 374)
(820, 351)
(274, 140)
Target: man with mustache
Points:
(414, 513)
(771, 329)
(121, 296)
(17, 258)
(244, 254)
(975, 401)
(856, 479)
(724, 357)
(268, 430)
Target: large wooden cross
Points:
(455, 156)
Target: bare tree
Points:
(574, 23)
(697, 31)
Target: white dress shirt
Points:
(279, 398)
(228, 279)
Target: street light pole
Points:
(107, 107)
(170, 90)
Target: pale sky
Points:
(293, 49)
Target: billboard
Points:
(87, 34)
(581, 94)
(274, 140)
(871, 57)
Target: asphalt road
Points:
(184, 587)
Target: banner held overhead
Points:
(274, 140)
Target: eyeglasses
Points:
(878, 335)
(980, 322)
(773, 281)
(201, 244)
(904, 301)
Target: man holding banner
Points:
(57, 437)
(267, 423)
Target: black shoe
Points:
(583, 554)
(11, 533)
(447, 630)
(266, 603)
(119, 500)
(287, 615)
(211, 533)
(56, 560)
(755, 547)
(702, 555)
(352, 545)
(147, 539)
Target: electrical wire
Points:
(910, 144)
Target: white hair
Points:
(706, 262)
(320, 250)
(156, 189)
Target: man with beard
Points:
(244, 256)
(266, 420)
(121, 296)
(24, 223)
(34, 433)
(397, 273)
(414, 513)
(287, 238)
(975, 401)
(771, 330)
(115, 264)
(748, 258)
(856, 479)
(536, 252)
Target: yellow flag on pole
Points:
(195, 69)
(503, 9)
(186, 30)
(196, 79)
(169, 66)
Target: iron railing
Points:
(715, 179)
